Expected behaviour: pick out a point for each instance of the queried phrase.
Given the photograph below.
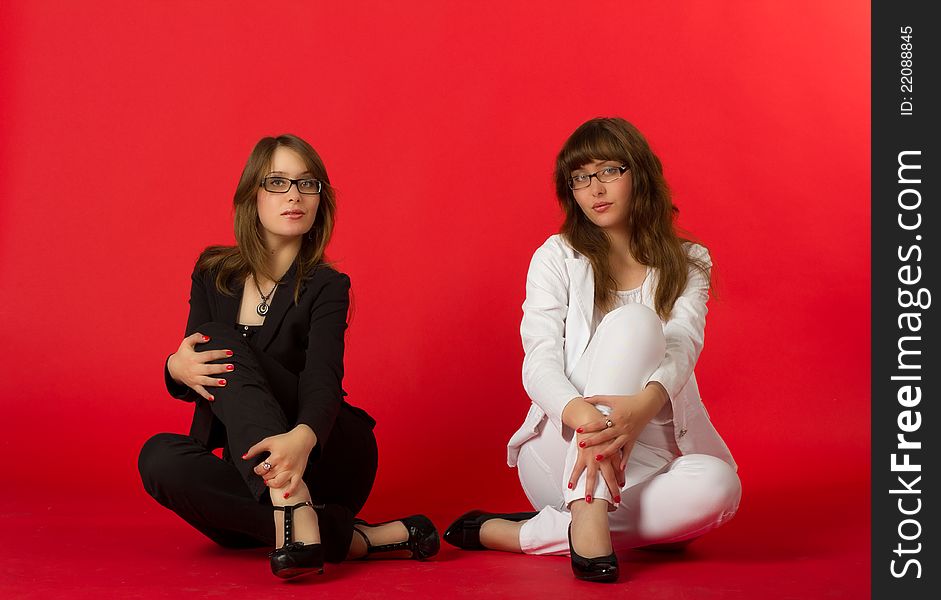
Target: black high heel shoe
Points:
(295, 558)
(602, 569)
(464, 532)
(423, 541)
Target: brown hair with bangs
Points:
(249, 255)
(651, 214)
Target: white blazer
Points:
(556, 329)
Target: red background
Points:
(125, 128)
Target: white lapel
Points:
(581, 297)
(582, 282)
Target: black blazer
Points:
(300, 347)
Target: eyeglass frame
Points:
(294, 182)
(622, 168)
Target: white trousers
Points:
(667, 497)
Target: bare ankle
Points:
(591, 535)
(300, 494)
(306, 525)
(500, 534)
(371, 536)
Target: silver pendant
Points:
(262, 309)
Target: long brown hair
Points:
(249, 256)
(651, 215)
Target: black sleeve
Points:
(199, 314)
(319, 388)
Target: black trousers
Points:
(222, 497)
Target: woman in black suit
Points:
(263, 361)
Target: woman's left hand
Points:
(629, 415)
(287, 454)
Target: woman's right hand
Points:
(192, 368)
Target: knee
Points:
(159, 461)
(225, 337)
(221, 336)
(714, 484)
(635, 319)
(633, 330)
(638, 315)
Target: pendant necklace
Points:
(262, 308)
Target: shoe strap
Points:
(289, 519)
(370, 549)
(406, 545)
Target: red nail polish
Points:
(570, 485)
(212, 398)
(205, 338)
(581, 444)
(245, 455)
(617, 499)
(588, 498)
(579, 430)
(599, 457)
(228, 353)
(229, 367)
(222, 382)
(286, 495)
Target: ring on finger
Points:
(266, 466)
(608, 423)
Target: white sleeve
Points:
(685, 330)
(543, 334)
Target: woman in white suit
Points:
(617, 450)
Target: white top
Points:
(623, 298)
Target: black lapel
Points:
(229, 305)
(280, 304)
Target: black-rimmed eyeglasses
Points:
(280, 185)
(605, 175)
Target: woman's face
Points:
(605, 204)
(288, 215)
